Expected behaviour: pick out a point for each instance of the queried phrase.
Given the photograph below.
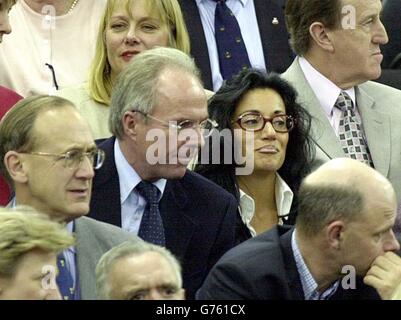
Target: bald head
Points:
(343, 189)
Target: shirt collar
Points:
(128, 177)
(284, 196)
(309, 284)
(70, 229)
(198, 2)
(325, 90)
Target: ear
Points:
(334, 233)
(15, 166)
(321, 36)
(130, 122)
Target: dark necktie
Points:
(64, 279)
(350, 131)
(151, 228)
(233, 56)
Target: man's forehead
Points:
(62, 126)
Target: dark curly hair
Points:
(221, 109)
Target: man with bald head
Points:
(344, 224)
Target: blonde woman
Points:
(29, 244)
(128, 28)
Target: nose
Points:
(54, 294)
(5, 27)
(391, 243)
(131, 37)
(268, 131)
(154, 294)
(85, 169)
(381, 36)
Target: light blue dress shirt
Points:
(309, 284)
(244, 11)
(132, 204)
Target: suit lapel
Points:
(376, 126)
(322, 132)
(178, 225)
(87, 252)
(294, 282)
(276, 50)
(105, 202)
(199, 47)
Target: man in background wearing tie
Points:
(48, 154)
(144, 187)
(228, 35)
(338, 46)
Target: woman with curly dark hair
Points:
(264, 107)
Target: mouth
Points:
(80, 193)
(268, 150)
(128, 55)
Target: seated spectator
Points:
(264, 106)
(51, 46)
(7, 97)
(145, 186)
(338, 55)
(126, 29)
(345, 218)
(139, 271)
(48, 154)
(29, 244)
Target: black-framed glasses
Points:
(73, 158)
(255, 121)
(206, 126)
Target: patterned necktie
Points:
(151, 228)
(64, 279)
(350, 131)
(233, 56)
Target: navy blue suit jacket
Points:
(264, 268)
(198, 217)
(276, 49)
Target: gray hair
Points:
(16, 127)
(135, 88)
(319, 204)
(127, 249)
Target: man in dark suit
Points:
(268, 49)
(345, 218)
(49, 157)
(158, 110)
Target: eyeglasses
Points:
(72, 159)
(206, 126)
(255, 121)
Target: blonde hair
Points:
(23, 229)
(7, 4)
(169, 13)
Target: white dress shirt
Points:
(326, 92)
(132, 204)
(244, 12)
(284, 196)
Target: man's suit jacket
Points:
(276, 49)
(94, 238)
(198, 217)
(264, 268)
(380, 110)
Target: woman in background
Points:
(254, 103)
(128, 27)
